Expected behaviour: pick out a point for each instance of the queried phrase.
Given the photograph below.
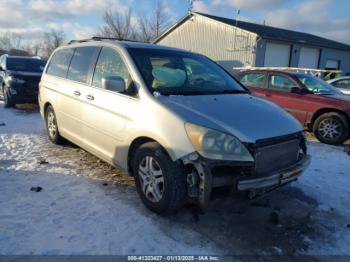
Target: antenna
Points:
(237, 15)
(190, 5)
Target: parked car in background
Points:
(19, 79)
(342, 83)
(320, 107)
(176, 121)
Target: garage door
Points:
(309, 57)
(277, 55)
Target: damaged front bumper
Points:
(275, 180)
(203, 177)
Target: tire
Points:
(8, 101)
(52, 127)
(160, 182)
(331, 128)
(2, 91)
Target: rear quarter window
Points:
(60, 62)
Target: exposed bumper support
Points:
(280, 178)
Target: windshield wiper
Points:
(325, 94)
(193, 93)
(234, 91)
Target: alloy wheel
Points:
(151, 179)
(330, 128)
(51, 124)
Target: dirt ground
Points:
(301, 218)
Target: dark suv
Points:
(19, 79)
(320, 107)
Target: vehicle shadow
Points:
(275, 224)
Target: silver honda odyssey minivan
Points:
(175, 120)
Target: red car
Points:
(320, 107)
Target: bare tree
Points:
(35, 48)
(118, 25)
(10, 41)
(145, 32)
(52, 40)
(151, 27)
(161, 19)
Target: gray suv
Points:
(175, 120)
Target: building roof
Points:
(269, 32)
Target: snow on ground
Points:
(88, 207)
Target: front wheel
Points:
(160, 182)
(8, 101)
(331, 128)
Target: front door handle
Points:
(77, 93)
(90, 97)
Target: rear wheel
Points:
(52, 127)
(160, 182)
(331, 128)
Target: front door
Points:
(105, 111)
(279, 92)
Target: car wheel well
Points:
(324, 111)
(45, 107)
(133, 147)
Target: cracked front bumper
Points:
(278, 179)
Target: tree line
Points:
(123, 26)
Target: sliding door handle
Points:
(77, 93)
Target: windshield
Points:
(25, 64)
(179, 73)
(317, 85)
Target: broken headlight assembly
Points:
(217, 145)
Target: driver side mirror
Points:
(114, 83)
(296, 90)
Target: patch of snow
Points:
(77, 213)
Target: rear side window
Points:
(253, 80)
(60, 62)
(81, 63)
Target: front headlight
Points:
(15, 80)
(216, 145)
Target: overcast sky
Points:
(81, 18)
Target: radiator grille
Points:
(275, 157)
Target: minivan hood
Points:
(246, 116)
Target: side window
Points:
(253, 79)
(281, 83)
(343, 83)
(60, 62)
(109, 63)
(81, 62)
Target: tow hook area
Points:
(199, 179)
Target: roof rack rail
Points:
(100, 38)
